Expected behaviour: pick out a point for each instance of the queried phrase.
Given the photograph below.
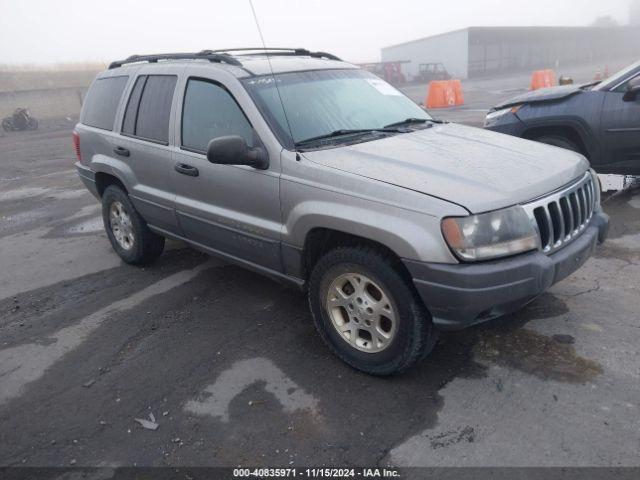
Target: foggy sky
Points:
(41, 31)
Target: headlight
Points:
(491, 235)
(493, 116)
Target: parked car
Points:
(600, 120)
(428, 72)
(319, 174)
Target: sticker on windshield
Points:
(383, 87)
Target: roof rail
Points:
(277, 51)
(210, 55)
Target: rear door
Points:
(621, 132)
(230, 209)
(144, 145)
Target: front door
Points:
(230, 209)
(621, 133)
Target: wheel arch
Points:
(104, 180)
(571, 129)
(320, 240)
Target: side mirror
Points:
(633, 90)
(233, 150)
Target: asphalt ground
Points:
(228, 364)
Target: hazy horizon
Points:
(68, 31)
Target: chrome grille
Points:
(563, 215)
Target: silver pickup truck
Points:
(308, 169)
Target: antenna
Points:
(275, 82)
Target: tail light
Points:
(76, 145)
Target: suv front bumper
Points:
(462, 295)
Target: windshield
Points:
(320, 102)
(618, 77)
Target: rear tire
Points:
(559, 141)
(348, 283)
(7, 125)
(128, 232)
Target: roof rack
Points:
(221, 56)
(210, 55)
(277, 52)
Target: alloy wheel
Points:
(361, 312)
(121, 226)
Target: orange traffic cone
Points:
(444, 93)
(598, 77)
(457, 89)
(543, 79)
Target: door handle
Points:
(123, 152)
(185, 169)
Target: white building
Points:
(486, 51)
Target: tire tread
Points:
(150, 245)
(423, 336)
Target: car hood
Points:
(477, 169)
(541, 95)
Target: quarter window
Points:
(102, 102)
(149, 108)
(210, 112)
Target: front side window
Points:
(210, 112)
(323, 101)
(102, 102)
(623, 87)
(149, 108)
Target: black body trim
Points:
(88, 178)
(276, 275)
(256, 249)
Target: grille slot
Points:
(563, 216)
(556, 222)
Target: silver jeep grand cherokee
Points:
(315, 172)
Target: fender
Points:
(114, 167)
(584, 131)
(408, 234)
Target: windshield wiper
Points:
(345, 132)
(409, 121)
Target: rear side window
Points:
(102, 102)
(149, 107)
(210, 112)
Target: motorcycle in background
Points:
(20, 120)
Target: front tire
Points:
(367, 311)
(559, 141)
(128, 232)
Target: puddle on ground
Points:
(530, 352)
(546, 306)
